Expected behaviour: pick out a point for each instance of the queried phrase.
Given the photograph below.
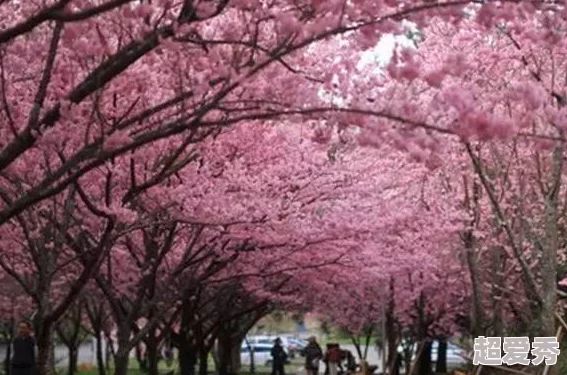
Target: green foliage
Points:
(325, 327)
(278, 316)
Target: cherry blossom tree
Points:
(35, 255)
(501, 110)
(91, 95)
(136, 135)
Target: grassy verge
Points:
(134, 369)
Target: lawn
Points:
(134, 368)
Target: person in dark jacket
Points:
(279, 358)
(313, 355)
(350, 361)
(23, 359)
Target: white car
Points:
(293, 343)
(262, 340)
(262, 353)
(454, 353)
(290, 346)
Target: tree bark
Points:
(356, 344)
(441, 364)
(229, 354)
(223, 354)
(99, 354)
(477, 318)
(424, 361)
(152, 353)
(73, 359)
(109, 352)
(391, 334)
(122, 356)
(121, 364)
(423, 357)
(141, 358)
(187, 360)
(548, 259)
(45, 358)
(203, 361)
(498, 266)
(8, 359)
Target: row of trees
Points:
(261, 219)
(155, 165)
(490, 108)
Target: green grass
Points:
(338, 339)
(134, 368)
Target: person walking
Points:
(313, 355)
(23, 359)
(279, 358)
(333, 357)
(326, 359)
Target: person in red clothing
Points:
(333, 358)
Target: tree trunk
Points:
(122, 356)
(45, 358)
(441, 364)
(424, 361)
(228, 354)
(548, 259)
(235, 348)
(152, 353)
(390, 329)
(73, 359)
(121, 364)
(109, 354)
(141, 358)
(96, 314)
(224, 351)
(99, 354)
(498, 266)
(8, 359)
(397, 365)
(367, 340)
(356, 344)
(203, 361)
(252, 361)
(477, 314)
(187, 360)
(407, 362)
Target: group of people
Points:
(332, 358)
(23, 359)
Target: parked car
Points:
(454, 353)
(289, 345)
(263, 340)
(293, 344)
(262, 353)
